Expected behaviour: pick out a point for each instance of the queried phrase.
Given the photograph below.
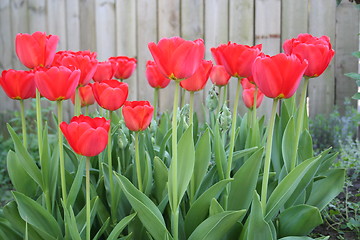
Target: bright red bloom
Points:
(278, 76)
(198, 81)
(87, 136)
(125, 66)
(110, 94)
(85, 61)
(317, 51)
(236, 58)
(86, 96)
(37, 49)
(155, 78)
(105, 71)
(57, 83)
(18, 84)
(219, 75)
(248, 93)
(137, 114)
(176, 57)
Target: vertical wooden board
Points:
(322, 89)
(267, 33)
(126, 37)
(73, 25)
(19, 24)
(347, 41)
(7, 50)
(241, 31)
(192, 27)
(294, 18)
(37, 16)
(105, 29)
(57, 21)
(87, 25)
(169, 26)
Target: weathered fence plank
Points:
(73, 24)
(87, 25)
(37, 16)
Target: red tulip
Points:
(37, 49)
(198, 81)
(137, 115)
(317, 51)
(249, 92)
(278, 76)
(86, 96)
(219, 75)
(110, 94)
(18, 84)
(87, 136)
(105, 71)
(85, 61)
(176, 57)
(236, 58)
(57, 83)
(155, 78)
(125, 66)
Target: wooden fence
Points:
(124, 27)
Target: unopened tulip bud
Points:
(122, 139)
(224, 118)
(212, 100)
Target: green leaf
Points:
(7, 231)
(120, 226)
(70, 223)
(200, 209)
(184, 170)
(305, 149)
(25, 159)
(76, 185)
(19, 177)
(147, 211)
(215, 207)
(258, 228)
(356, 54)
(160, 178)
(299, 220)
(286, 187)
(288, 143)
(244, 183)
(356, 96)
(353, 75)
(33, 213)
(217, 226)
(303, 238)
(324, 190)
(220, 155)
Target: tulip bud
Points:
(212, 100)
(224, 118)
(184, 113)
(122, 139)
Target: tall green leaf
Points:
(120, 226)
(288, 143)
(160, 178)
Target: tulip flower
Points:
(125, 66)
(248, 94)
(198, 81)
(57, 83)
(155, 78)
(219, 76)
(278, 76)
(37, 49)
(86, 96)
(177, 58)
(18, 84)
(110, 94)
(105, 71)
(317, 51)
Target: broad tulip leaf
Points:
(288, 143)
(71, 225)
(305, 149)
(299, 220)
(200, 208)
(7, 231)
(324, 190)
(353, 75)
(76, 185)
(215, 207)
(146, 210)
(33, 213)
(160, 178)
(220, 155)
(217, 226)
(286, 187)
(244, 183)
(258, 228)
(303, 238)
(102, 229)
(25, 159)
(81, 216)
(242, 153)
(120, 226)
(148, 174)
(184, 170)
(19, 177)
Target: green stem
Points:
(156, 102)
(39, 121)
(137, 162)
(61, 152)
(191, 112)
(87, 176)
(224, 95)
(183, 93)
(299, 123)
(110, 169)
(175, 211)
(233, 128)
(270, 132)
(87, 110)
(101, 111)
(77, 110)
(23, 122)
(219, 102)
